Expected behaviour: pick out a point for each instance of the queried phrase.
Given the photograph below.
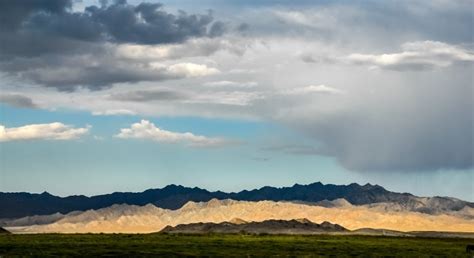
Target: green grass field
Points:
(228, 245)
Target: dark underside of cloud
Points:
(145, 23)
(17, 100)
(431, 129)
(40, 37)
(145, 96)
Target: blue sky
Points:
(95, 166)
(244, 96)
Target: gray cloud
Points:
(422, 55)
(188, 96)
(96, 72)
(423, 125)
(148, 95)
(17, 100)
(14, 12)
(79, 49)
(413, 56)
(385, 121)
(48, 21)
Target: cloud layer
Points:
(95, 48)
(17, 100)
(420, 55)
(145, 23)
(52, 131)
(332, 72)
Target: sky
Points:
(104, 96)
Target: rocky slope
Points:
(4, 231)
(300, 227)
(149, 218)
(17, 205)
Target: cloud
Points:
(390, 121)
(103, 45)
(371, 21)
(234, 98)
(147, 130)
(17, 100)
(94, 73)
(52, 131)
(314, 20)
(189, 70)
(148, 95)
(145, 23)
(113, 112)
(314, 89)
(231, 84)
(419, 55)
(194, 47)
(417, 124)
(188, 96)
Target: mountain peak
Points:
(45, 194)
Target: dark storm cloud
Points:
(426, 128)
(24, 22)
(364, 143)
(45, 42)
(13, 13)
(17, 100)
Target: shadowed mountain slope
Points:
(301, 226)
(16, 205)
(4, 231)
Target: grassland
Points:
(169, 245)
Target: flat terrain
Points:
(169, 245)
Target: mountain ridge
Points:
(17, 205)
(123, 218)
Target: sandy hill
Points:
(149, 218)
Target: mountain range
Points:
(124, 218)
(17, 205)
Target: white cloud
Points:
(191, 48)
(236, 98)
(232, 84)
(52, 131)
(188, 69)
(147, 130)
(322, 18)
(113, 112)
(314, 89)
(416, 56)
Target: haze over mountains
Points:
(18, 205)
